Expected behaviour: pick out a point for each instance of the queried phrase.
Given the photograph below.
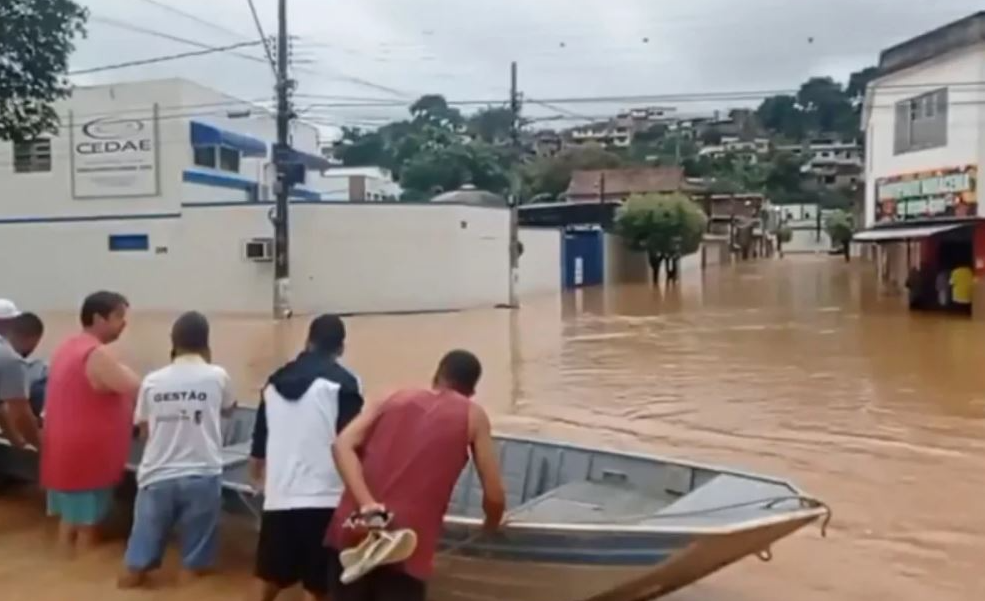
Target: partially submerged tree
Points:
(840, 227)
(665, 226)
(36, 39)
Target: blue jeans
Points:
(192, 505)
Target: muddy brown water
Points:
(799, 368)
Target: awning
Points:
(885, 234)
(204, 134)
(311, 162)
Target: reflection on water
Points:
(797, 367)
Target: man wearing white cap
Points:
(15, 406)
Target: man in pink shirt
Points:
(88, 421)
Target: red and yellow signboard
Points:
(951, 192)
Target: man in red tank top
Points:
(405, 455)
(88, 421)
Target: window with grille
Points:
(32, 156)
(229, 160)
(204, 156)
(921, 122)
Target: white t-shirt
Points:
(182, 405)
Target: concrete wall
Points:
(345, 258)
(966, 119)
(541, 263)
(623, 266)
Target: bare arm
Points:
(14, 396)
(107, 374)
(487, 467)
(228, 397)
(23, 421)
(8, 431)
(344, 450)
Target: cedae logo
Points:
(114, 136)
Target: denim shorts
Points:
(190, 505)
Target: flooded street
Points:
(796, 368)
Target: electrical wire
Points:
(263, 37)
(195, 18)
(161, 59)
(163, 35)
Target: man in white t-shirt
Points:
(179, 411)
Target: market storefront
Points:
(929, 239)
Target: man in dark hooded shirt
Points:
(305, 405)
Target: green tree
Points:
(782, 116)
(664, 226)
(434, 109)
(492, 124)
(442, 168)
(826, 106)
(36, 39)
(840, 227)
(858, 82)
(550, 176)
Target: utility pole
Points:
(282, 267)
(514, 200)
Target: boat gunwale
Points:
(811, 514)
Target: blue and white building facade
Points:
(163, 190)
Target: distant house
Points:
(356, 184)
(619, 184)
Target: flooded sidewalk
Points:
(796, 368)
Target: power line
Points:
(196, 18)
(161, 59)
(263, 37)
(167, 36)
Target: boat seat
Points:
(590, 502)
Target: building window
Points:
(921, 122)
(229, 160)
(204, 156)
(32, 156)
(128, 242)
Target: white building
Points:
(157, 190)
(357, 184)
(608, 133)
(924, 120)
(925, 126)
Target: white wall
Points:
(49, 194)
(966, 119)
(345, 258)
(540, 264)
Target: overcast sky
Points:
(565, 48)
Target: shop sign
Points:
(934, 194)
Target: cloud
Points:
(564, 47)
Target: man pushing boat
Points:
(403, 458)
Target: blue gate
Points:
(583, 260)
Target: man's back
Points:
(412, 458)
(304, 405)
(182, 405)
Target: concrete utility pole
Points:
(514, 199)
(282, 267)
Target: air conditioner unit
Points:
(259, 250)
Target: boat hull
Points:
(601, 567)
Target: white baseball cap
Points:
(8, 310)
